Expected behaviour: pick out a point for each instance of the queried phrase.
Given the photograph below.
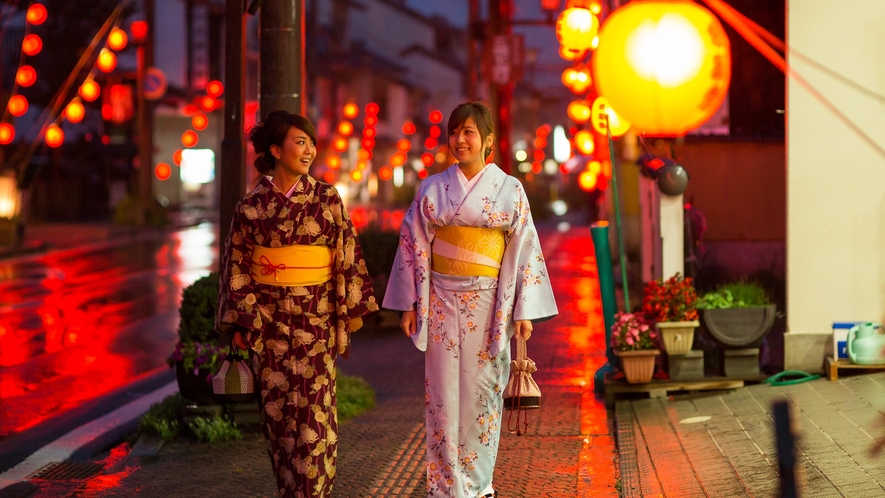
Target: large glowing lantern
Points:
(602, 116)
(665, 66)
(575, 30)
(54, 136)
(26, 76)
(7, 133)
(32, 44)
(17, 105)
(74, 112)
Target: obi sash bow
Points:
(468, 251)
(295, 265)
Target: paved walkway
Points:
(568, 450)
(665, 449)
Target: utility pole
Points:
(501, 94)
(283, 72)
(145, 120)
(472, 56)
(233, 150)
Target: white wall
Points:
(835, 179)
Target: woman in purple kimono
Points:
(294, 285)
(468, 275)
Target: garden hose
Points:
(790, 377)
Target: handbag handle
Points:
(520, 348)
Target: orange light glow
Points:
(363, 155)
(596, 7)
(540, 142)
(163, 171)
(368, 143)
(665, 66)
(215, 88)
(538, 155)
(191, 109)
(107, 61)
(409, 128)
(32, 44)
(26, 76)
(208, 103)
(139, 31)
(427, 158)
(372, 109)
(430, 143)
(351, 110)
(602, 116)
(370, 121)
(89, 90)
(594, 167)
(423, 174)
(36, 14)
(543, 131)
(189, 138)
(356, 175)
(385, 173)
(18, 105)
(329, 177)
(577, 79)
(587, 181)
(571, 56)
(606, 168)
(434, 131)
(118, 39)
(369, 133)
(404, 145)
(333, 162)
(435, 117)
(398, 159)
(575, 29)
(537, 167)
(176, 157)
(7, 133)
(75, 112)
(340, 144)
(584, 142)
(362, 165)
(54, 136)
(199, 122)
(579, 111)
(345, 128)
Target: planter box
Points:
(688, 366)
(678, 337)
(738, 328)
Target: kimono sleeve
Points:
(533, 298)
(236, 298)
(410, 266)
(354, 294)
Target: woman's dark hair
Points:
(481, 116)
(273, 131)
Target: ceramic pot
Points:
(194, 387)
(678, 337)
(639, 365)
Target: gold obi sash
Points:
(294, 265)
(468, 251)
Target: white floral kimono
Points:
(465, 322)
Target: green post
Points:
(599, 232)
(617, 202)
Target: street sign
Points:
(503, 59)
(154, 83)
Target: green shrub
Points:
(379, 248)
(735, 295)
(163, 418)
(127, 210)
(212, 430)
(199, 302)
(355, 396)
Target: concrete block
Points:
(741, 363)
(688, 366)
(803, 351)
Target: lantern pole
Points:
(621, 255)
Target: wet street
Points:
(78, 324)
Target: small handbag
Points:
(234, 381)
(522, 392)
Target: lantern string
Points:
(736, 21)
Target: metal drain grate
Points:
(64, 471)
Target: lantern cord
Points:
(737, 21)
(621, 255)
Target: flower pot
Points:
(739, 328)
(638, 365)
(194, 387)
(678, 336)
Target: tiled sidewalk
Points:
(666, 451)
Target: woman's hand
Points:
(238, 341)
(524, 329)
(408, 322)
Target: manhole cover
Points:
(64, 471)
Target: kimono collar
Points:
(486, 187)
(302, 184)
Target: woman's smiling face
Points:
(466, 144)
(296, 153)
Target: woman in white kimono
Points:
(468, 275)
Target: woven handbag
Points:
(522, 392)
(234, 382)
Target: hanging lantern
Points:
(208, 103)
(594, 167)
(54, 136)
(215, 88)
(571, 56)
(370, 122)
(26, 76)
(575, 29)
(329, 177)
(602, 116)
(409, 128)
(36, 14)
(199, 122)
(372, 109)
(587, 181)
(189, 138)
(356, 175)
(385, 173)
(345, 128)
(577, 79)
(340, 144)
(176, 157)
(404, 145)
(435, 117)
(398, 159)
(333, 162)
(427, 159)
(89, 90)
(584, 142)
(32, 44)
(163, 171)
(7, 133)
(107, 61)
(75, 112)
(117, 39)
(139, 31)
(17, 105)
(578, 111)
(351, 110)
(665, 66)
(363, 155)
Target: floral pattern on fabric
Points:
(295, 333)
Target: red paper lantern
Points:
(32, 44)
(117, 40)
(36, 14)
(89, 90)
(18, 105)
(215, 88)
(107, 61)
(575, 30)
(345, 128)
(54, 136)
(351, 110)
(75, 112)
(385, 173)
(7, 133)
(435, 117)
(189, 138)
(163, 171)
(26, 76)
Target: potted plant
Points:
(737, 315)
(198, 353)
(634, 341)
(672, 306)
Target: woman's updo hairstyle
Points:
(481, 116)
(273, 131)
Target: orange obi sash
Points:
(468, 251)
(290, 266)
